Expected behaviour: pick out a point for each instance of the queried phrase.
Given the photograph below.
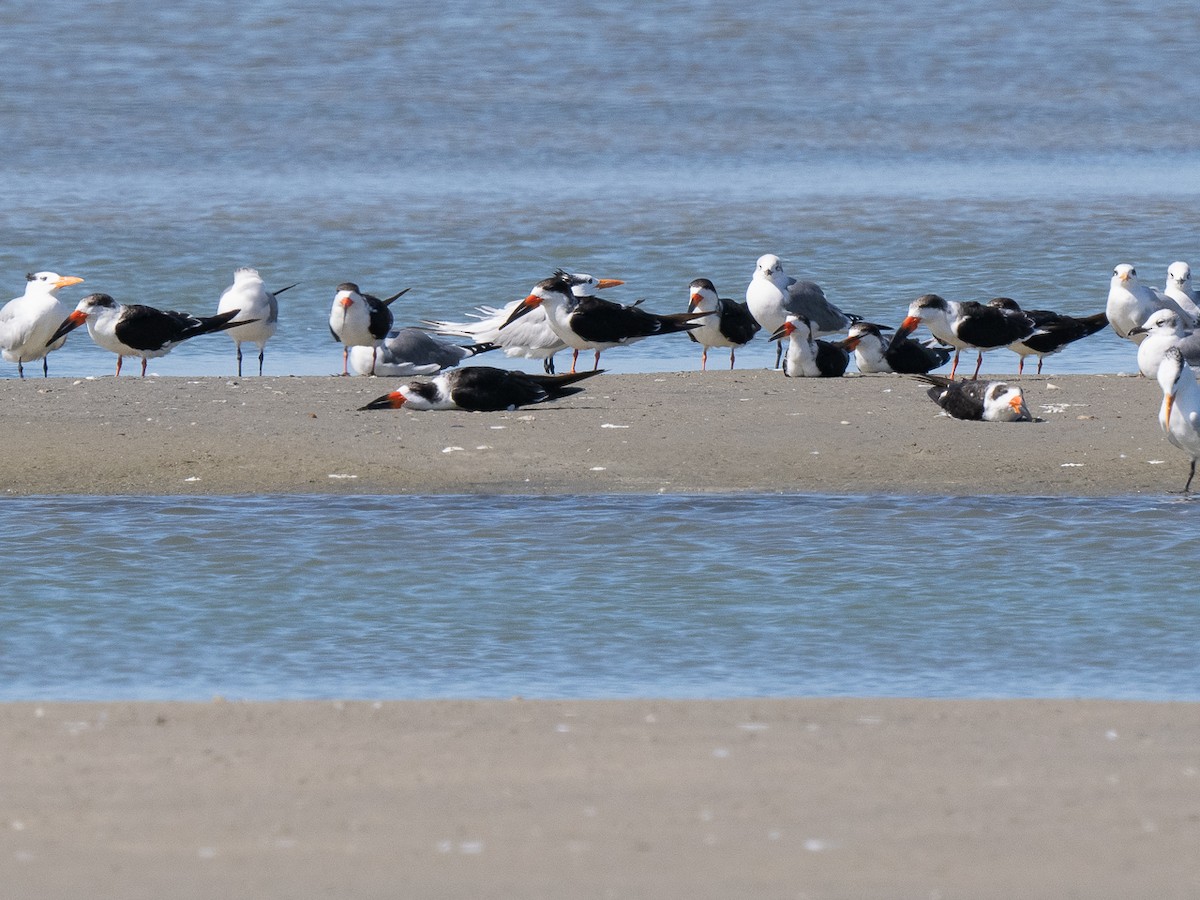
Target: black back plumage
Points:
(146, 328)
(987, 326)
(961, 399)
(488, 389)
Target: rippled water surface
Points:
(969, 148)
(687, 596)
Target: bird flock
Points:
(565, 311)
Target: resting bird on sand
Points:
(988, 401)
(480, 389)
(773, 295)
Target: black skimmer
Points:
(27, 322)
(1131, 303)
(412, 351)
(1179, 289)
(137, 330)
(590, 323)
(1179, 414)
(360, 320)
(773, 295)
(987, 401)
(258, 312)
(806, 356)
(732, 326)
(531, 337)
(875, 353)
(967, 325)
(480, 389)
(1164, 330)
(1054, 331)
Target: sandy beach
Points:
(795, 798)
(744, 798)
(747, 430)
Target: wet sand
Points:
(749, 430)
(796, 798)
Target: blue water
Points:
(969, 148)
(686, 596)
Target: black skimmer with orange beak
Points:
(360, 320)
(137, 330)
(965, 326)
(257, 318)
(1054, 331)
(591, 323)
(480, 389)
(873, 353)
(27, 322)
(806, 356)
(987, 401)
(531, 337)
(732, 324)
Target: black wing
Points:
(832, 360)
(146, 328)
(604, 322)
(962, 399)
(989, 326)
(909, 357)
(381, 316)
(737, 323)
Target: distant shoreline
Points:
(749, 430)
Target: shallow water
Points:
(676, 596)
(972, 149)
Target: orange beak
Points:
(608, 282)
(67, 281)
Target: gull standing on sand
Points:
(875, 354)
(27, 322)
(1162, 331)
(1179, 289)
(590, 323)
(360, 320)
(137, 330)
(807, 357)
(773, 295)
(1054, 331)
(412, 351)
(986, 401)
(531, 337)
(965, 326)
(257, 315)
(480, 389)
(1131, 303)
(732, 325)
(1179, 414)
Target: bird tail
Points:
(558, 385)
(219, 322)
(476, 349)
(673, 322)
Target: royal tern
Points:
(137, 330)
(359, 320)
(412, 351)
(27, 322)
(875, 353)
(773, 295)
(1164, 330)
(1054, 331)
(1179, 414)
(1131, 303)
(967, 325)
(480, 389)
(988, 401)
(590, 323)
(531, 337)
(806, 356)
(732, 324)
(258, 312)
(1179, 289)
